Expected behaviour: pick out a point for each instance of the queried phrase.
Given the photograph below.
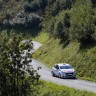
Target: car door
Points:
(56, 70)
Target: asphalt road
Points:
(45, 73)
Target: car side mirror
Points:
(57, 68)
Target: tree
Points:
(65, 4)
(60, 25)
(7, 19)
(31, 7)
(82, 22)
(17, 76)
(94, 3)
(33, 20)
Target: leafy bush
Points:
(94, 3)
(79, 23)
(82, 22)
(57, 6)
(42, 4)
(33, 20)
(60, 25)
(35, 5)
(50, 89)
(55, 9)
(31, 7)
(23, 20)
(65, 4)
(16, 77)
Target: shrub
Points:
(35, 5)
(82, 22)
(33, 20)
(17, 77)
(31, 7)
(60, 25)
(94, 3)
(22, 19)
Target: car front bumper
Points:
(69, 75)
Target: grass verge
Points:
(50, 89)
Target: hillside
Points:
(67, 30)
(54, 51)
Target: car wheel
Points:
(74, 77)
(53, 74)
(59, 75)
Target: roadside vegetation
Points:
(16, 77)
(50, 89)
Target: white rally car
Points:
(63, 70)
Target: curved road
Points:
(45, 73)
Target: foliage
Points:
(76, 23)
(50, 89)
(67, 20)
(11, 6)
(33, 20)
(31, 7)
(59, 27)
(65, 4)
(82, 22)
(64, 19)
(16, 74)
(57, 6)
(35, 5)
(94, 3)
(23, 20)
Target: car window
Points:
(57, 67)
(65, 67)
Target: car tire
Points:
(53, 74)
(59, 75)
(74, 78)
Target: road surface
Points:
(45, 73)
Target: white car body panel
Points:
(67, 72)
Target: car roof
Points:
(63, 64)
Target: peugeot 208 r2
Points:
(63, 70)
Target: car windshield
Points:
(65, 67)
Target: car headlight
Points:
(63, 73)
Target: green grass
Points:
(50, 89)
(83, 60)
(42, 37)
(53, 52)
